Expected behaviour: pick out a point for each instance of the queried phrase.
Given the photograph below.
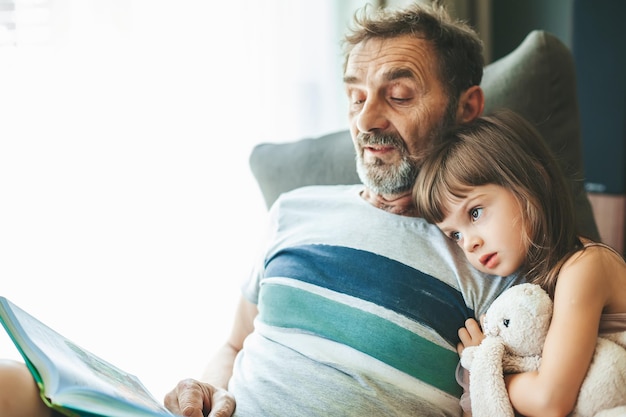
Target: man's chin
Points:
(389, 158)
(387, 179)
(385, 187)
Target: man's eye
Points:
(456, 236)
(400, 100)
(475, 213)
(356, 97)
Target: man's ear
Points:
(471, 104)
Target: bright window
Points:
(128, 214)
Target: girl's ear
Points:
(471, 104)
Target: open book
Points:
(72, 380)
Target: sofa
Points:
(537, 80)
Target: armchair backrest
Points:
(537, 80)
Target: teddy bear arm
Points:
(512, 364)
(468, 356)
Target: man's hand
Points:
(470, 335)
(193, 398)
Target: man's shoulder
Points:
(319, 192)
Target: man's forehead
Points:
(403, 56)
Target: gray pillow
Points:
(537, 80)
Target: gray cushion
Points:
(537, 80)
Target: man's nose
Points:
(372, 116)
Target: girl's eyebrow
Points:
(465, 203)
(470, 201)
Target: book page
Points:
(77, 368)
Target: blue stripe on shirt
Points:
(377, 279)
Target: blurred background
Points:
(128, 214)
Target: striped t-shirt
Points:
(358, 312)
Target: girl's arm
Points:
(582, 291)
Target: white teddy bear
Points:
(515, 328)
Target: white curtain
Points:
(128, 215)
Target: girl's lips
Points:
(488, 260)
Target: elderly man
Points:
(354, 307)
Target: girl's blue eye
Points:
(456, 236)
(475, 213)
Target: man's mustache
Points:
(395, 140)
(386, 139)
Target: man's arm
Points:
(219, 370)
(192, 398)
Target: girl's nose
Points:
(472, 242)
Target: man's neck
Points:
(401, 204)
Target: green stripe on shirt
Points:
(401, 349)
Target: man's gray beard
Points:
(387, 179)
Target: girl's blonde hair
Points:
(506, 150)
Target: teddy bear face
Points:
(520, 316)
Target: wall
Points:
(513, 19)
(594, 33)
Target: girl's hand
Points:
(470, 335)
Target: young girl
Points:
(494, 187)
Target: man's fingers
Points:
(223, 404)
(186, 399)
(192, 398)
